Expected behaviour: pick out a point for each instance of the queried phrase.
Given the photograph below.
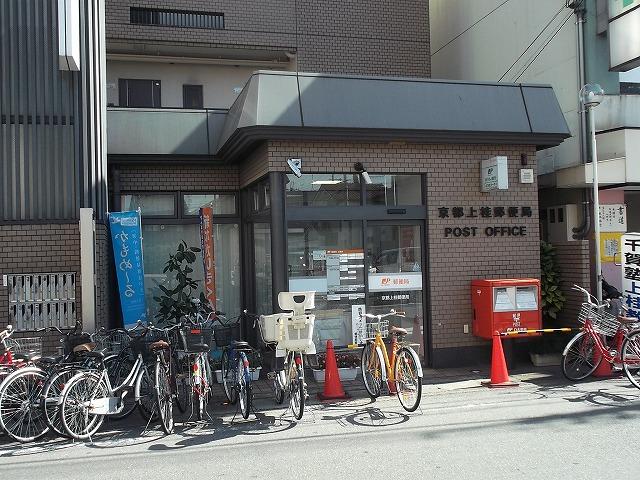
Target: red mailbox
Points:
(505, 305)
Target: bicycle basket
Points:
(112, 342)
(298, 332)
(29, 345)
(195, 335)
(601, 321)
(271, 328)
(140, 344)
(225, 334)
(373, 327)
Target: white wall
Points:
(486, 51)
(218, 81)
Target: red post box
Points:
(505, 305)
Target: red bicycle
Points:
(584, 352)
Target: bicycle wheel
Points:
(164, 397)
(21, 415)
(228, 378)
(51, 395)
(581, 357)
(76, 414)
(118, 371)
(278, 387)
(199, 389)
(371, 370)
(145, 393)
(407, 379)
(244, 386)
(631, 358)
(296, 385)
(180, 380)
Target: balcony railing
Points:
(618, 111)
(149, 131)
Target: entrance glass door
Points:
(394, 254)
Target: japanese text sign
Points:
(126, 236)
(631, 273)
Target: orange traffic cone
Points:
(499, 373)
(332, 387)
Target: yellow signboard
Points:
(610, 244)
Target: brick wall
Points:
(369, 37)
(49, 248)
(185, 178)
(573, 259)
(255, 166)
(452, 181)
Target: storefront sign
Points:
(613, 218)
(358, 324)
(380, 282)
(631, 273)
(126, 236)
(342, 270)
(485, 212)
(208, 256)
(610, 243)
(494, 174)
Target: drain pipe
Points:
(578, 6)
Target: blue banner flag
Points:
(126, 236)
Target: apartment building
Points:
(566, 45)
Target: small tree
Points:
(552, 298)
(176, 302)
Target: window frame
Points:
(185, 87)
(236, 202)
(124, 82)
(149, 194)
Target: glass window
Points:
(160, 241)
(222, 203)
(262, 258)
(393, 190)
(192, 96)
(328, 257)
(150, 204)
(323, 190)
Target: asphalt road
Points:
(543, 429)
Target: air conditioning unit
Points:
(561, 220)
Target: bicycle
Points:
(89, 396)
(236, 372)
(586, 350)
(196, 340)
(403, 370)
(292, 332)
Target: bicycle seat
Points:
(239, 345)
(159, 345)
(628, 320)
(89, 353)
(84, 347)
(397, 330)
(198, 348)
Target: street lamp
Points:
(590, 96)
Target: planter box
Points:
(546, 359)
(346, 374)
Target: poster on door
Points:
(631, 273)
(358, 324)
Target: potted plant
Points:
(547, 350)
(176, 302)
(348, 367)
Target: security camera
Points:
(295, 164)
